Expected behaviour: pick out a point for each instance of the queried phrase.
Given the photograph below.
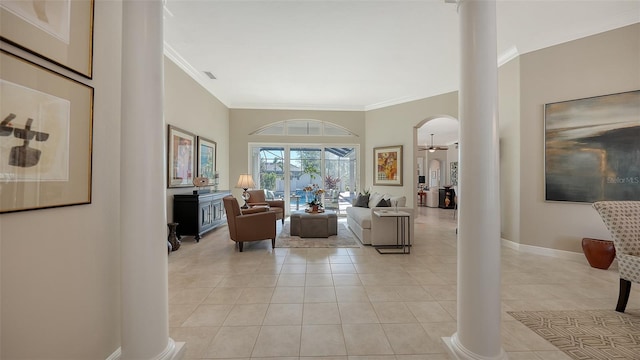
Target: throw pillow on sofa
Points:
(362, 201)
(399, 201)
(374, 199)
(384, 203)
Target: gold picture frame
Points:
(46, 125)
(387, 165)
(207, 152)
(180, 158)
(60, 31)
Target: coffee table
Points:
(314, 225)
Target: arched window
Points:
(303, 127)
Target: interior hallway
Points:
(352, 303)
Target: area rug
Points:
(345, 238)
(587, 334)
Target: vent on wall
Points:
(210, 75)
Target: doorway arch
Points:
(446, 130)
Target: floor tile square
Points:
(357, 313)
(208, 315)
(278, 341)
(246, 314)
(319, 294)
(366, 339)
(291, 280)
(346, 280)
(255, 295)
(393, 312)
(288, 295)
(321, 314)
(429, 311)
(322, 340)
(410, 339)
(351, 294)
(225, 295)
(319, 280)
(318, 268)
(233, 342)
(283, 314)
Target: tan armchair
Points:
(258, 198)
(622, 218)
(255, 225)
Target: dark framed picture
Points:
(60, 31)
(181, 157)
(207, 159)
(387, 165)
(46, 125)
(592, 147)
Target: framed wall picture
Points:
(46, 122)
(207, 159)
(60, 31)
(454, 173)
(592, 147)
(181, 157)
(387, 165)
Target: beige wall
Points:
(509, 130)
(597, 65)
(394, 125)
(61, 267)
(244, 121)
(190, 107)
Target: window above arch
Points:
(303, 127)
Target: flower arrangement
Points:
(316, 193)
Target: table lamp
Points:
(245, 181)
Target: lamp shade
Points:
(245, 181)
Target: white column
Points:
(478, 333)
(143, 233)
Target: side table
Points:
(403, 233)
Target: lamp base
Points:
(245, 197)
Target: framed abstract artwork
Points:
(180, 158)
(453, 173)
(46, 122)
(387, 165)
(207, 159)
(60, 31)
(592, 148)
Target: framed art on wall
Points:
(46, 124)
(592, 147)
(180, 158)
(60, 31)
(207, 159)
(387, 165)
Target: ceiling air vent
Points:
(210, 75)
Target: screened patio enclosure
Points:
(285, 171)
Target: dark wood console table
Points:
(199, 213)
(444, 194)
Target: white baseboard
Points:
(174, 351)
(537, 250)
(457, 351)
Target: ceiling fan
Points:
(433, 148)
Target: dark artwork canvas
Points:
(592, 148)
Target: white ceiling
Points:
(356, 55)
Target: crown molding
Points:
(194, 73)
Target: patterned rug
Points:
(345, 238)
(587, 334)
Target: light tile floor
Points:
(355, 304)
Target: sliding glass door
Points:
(284, 172)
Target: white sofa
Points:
(373, 230)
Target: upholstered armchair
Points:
(258, 198)
(622, 218)
(255, 225)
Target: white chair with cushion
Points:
(622, 218)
